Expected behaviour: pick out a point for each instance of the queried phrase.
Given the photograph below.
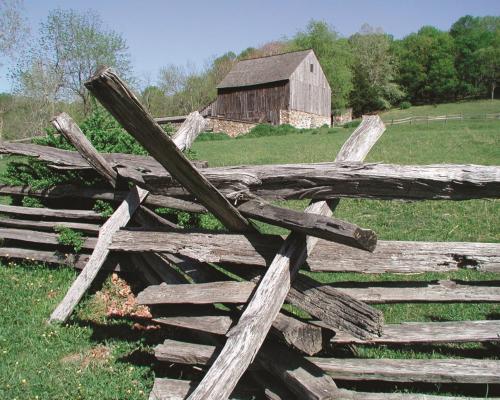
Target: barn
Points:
(288, 88)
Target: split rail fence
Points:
(253, 346)
(418, 119)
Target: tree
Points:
(470, 35)
(334, 56)
(374, 71)
(71, 47)
(426, 65)
(488, 59)
(13, 28)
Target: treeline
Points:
(369, 71)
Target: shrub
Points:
(31, 202)
(404, 105)
(69, 237)
(104, 208)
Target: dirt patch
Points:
(95, 356)
(119, 301)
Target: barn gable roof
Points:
(262, 70)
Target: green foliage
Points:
(104, 208)
(404, 105)
(470, 35)
(374, 69)
(427, 69)
(71, 238)
(28, 201)
(334, 55)
(103, 131)
(210, 136)
(352, 124)
(37, 175)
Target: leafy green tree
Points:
(374, 71)
(71, 47)
(426, 65)
(488, 59)
(470, 35)
(334, 56)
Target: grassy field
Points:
(98, 357)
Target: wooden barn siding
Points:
(310, 91)
(256, 104)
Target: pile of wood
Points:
(237, 294)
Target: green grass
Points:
(54, 362)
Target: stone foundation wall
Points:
(303, 120)
(229, 127)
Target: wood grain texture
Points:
(215, 324)
(42, 213)
(119, 219)
(37, 237)
(246, 338)
(444, 291)
(258, 251)
(393, 370)
(408, 257)
(119, 100)
(327, 181)
(70, 130)
(16, 253)
(172, 389)
(49, 226)
(429, 332)
(316, 225)
(72, 160)
(407, 370)
(76, 192)
(189, 131)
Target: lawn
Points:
(98, 357)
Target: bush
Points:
(404, 105)
(270, 130)
(69, 237)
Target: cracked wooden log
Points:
(75, 260)
(119, 100)
(41, 213)
(320, 181)
(253, 250)
(429, 332)
(402, 370)
(173, 389)
(317, 298)
(327, 228)
(50, 226)
(392, 370)
(71, 160)
(119, 219)
(189, 131)
(70, 130)
(328, 181)
(90, 193)
(245, 339)
(40, 238)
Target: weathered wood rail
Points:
(258, 250)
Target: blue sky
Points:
(163, 32)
